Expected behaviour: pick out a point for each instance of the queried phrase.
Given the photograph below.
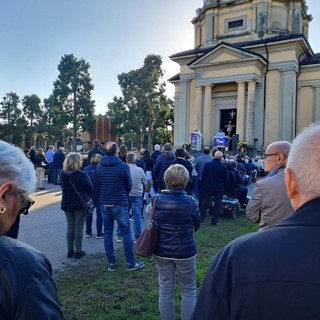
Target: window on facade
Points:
(235, 24)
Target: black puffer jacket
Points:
(27, 290)
(162, 164)
(177, 218)
(112, 181)
(81, 181)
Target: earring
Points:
(3, 210)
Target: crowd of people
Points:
(180, 188)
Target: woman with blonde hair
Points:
(177, 218)
(76, 189)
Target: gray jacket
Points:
(139, 180)
(269, 204)
(200, 162)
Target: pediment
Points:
(224, 54)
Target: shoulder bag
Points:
(147, 242)
(88, 205)
(147, 187)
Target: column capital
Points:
(241, 83)
(252, 82)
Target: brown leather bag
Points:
(147, 242)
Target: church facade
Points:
(251, 73)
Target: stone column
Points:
(316, 103)
(207, 121)
(209, 28)
(181, 110)
(198, 107)
(287, 103)
(250, 111)
(254, 19)
(290, 19)
(216, 24)
(241, 110)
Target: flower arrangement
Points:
(186, 145)
(242, 144)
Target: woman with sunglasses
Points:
(27, 290)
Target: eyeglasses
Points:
(26, 204)
(270, 154)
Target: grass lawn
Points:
(88, 291)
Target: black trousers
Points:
(217, 198)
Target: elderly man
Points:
(215, 176)
(199, 166)
(163, 162)
(58, 160)
(94, 150)
(49, 155)
(112, 185)
(139, 181)
(273, 274)
(270, 204)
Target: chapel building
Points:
(251, 73)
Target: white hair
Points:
(157, 147)
(304, 159)
(16, 167)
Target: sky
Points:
(114, 36)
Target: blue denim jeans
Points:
(98, 221)
(186, 270)
(136, 205)
(121, 215)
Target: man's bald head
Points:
(276, 154)
(111, 148)
(218, 155)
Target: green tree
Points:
(143, 102)
(72, 92)
(51, 127)
(13, 123)
(32, 110)
(163, 126)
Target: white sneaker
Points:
(118, 239)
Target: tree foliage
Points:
(72, 93)
(33, 112)
(13, 123)
(144, 106)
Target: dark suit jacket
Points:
(271, 274)
(215, 176)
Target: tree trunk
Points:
(150, 129)
(74, 129)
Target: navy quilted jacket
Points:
(163, 162)
(112, 181)
(81, 181)
(177, 218)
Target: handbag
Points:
(147, 242)
(88, 205)
(147, 187)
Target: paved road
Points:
(44, 228)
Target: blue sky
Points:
(114, 36)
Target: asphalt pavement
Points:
(44, 228)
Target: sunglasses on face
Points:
(26, 204)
